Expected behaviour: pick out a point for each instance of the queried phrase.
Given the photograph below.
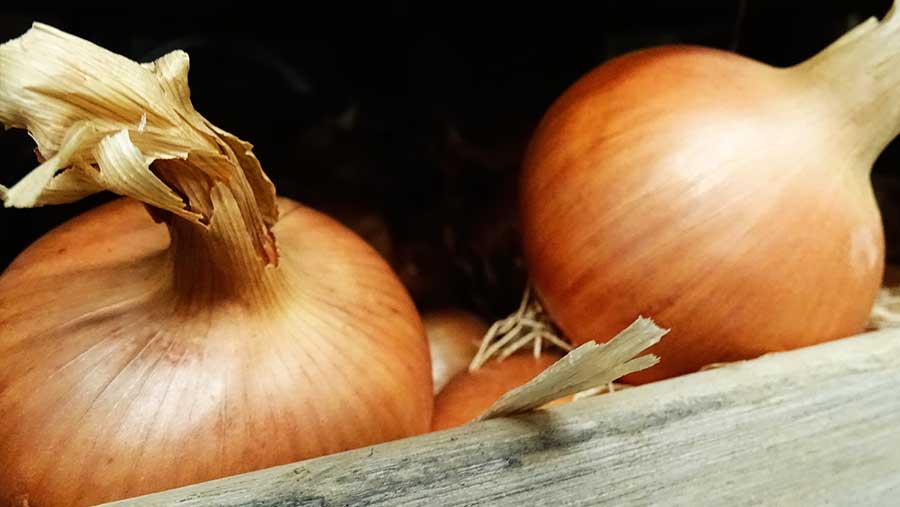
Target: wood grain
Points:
(815, 426)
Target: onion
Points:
(469, 394)
(453, 339)
(367, 223)
(728, 200)
(233, 332)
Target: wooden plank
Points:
(810, 427)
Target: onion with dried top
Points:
(222, 332)
(727, 199)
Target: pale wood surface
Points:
(818, 426)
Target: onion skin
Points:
(453, 339)
(127, 369)
(469, 394)
(726, 199)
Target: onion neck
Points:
(860, 73)
(219, 263)
(208, 267)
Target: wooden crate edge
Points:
(806, 427)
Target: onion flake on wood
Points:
(586, 367)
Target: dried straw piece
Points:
(583, 369)
(528, 324)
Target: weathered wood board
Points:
(817, 426)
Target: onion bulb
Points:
(222, 332)
(469, 394)
(367, 223)
(453, 339)
(727, 199)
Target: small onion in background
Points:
(453, 338)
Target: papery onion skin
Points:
(726, 199)
(113, 384)
(469, 394)
(453, 339)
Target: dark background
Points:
(408, 124)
